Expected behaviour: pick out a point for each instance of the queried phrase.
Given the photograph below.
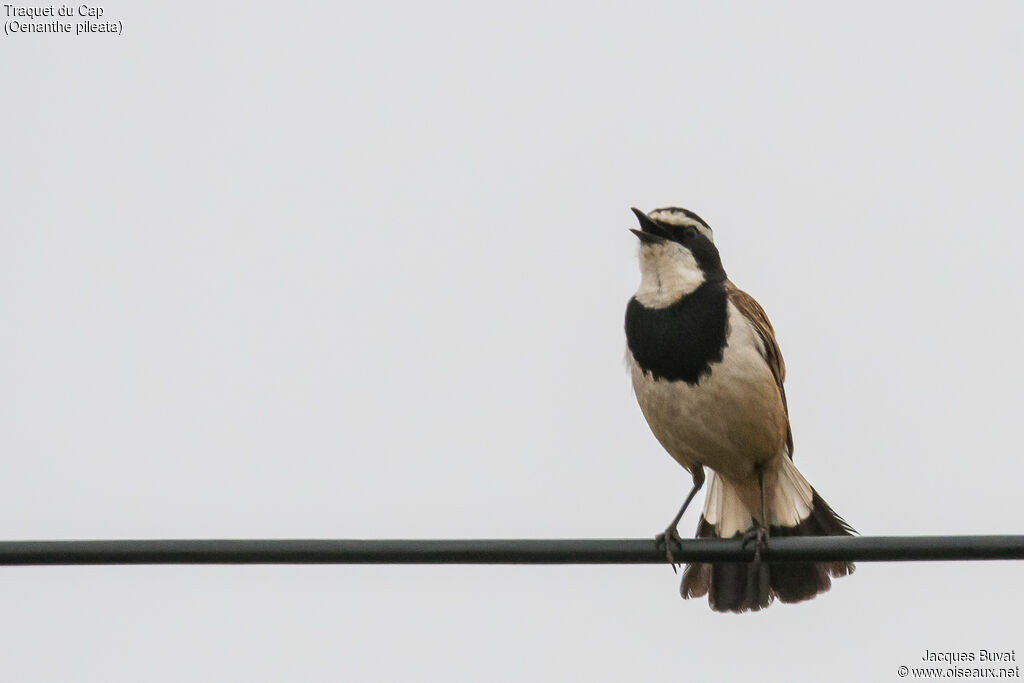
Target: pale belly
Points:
(730, 421)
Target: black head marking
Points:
(703, 249)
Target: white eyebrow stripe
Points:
(681, 219)
(675, 218)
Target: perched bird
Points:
(708, 375)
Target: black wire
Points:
(553, 551)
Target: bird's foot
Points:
(667, 539)
(759, 537)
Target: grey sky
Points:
(281, 271)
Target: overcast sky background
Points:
(274, 271)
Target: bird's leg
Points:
(759, 534)
(671, 534)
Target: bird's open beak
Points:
(649, 232)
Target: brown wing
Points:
(752, 310)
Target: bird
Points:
(708, 376)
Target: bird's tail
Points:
(794, 509)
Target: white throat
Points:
(668, 272)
